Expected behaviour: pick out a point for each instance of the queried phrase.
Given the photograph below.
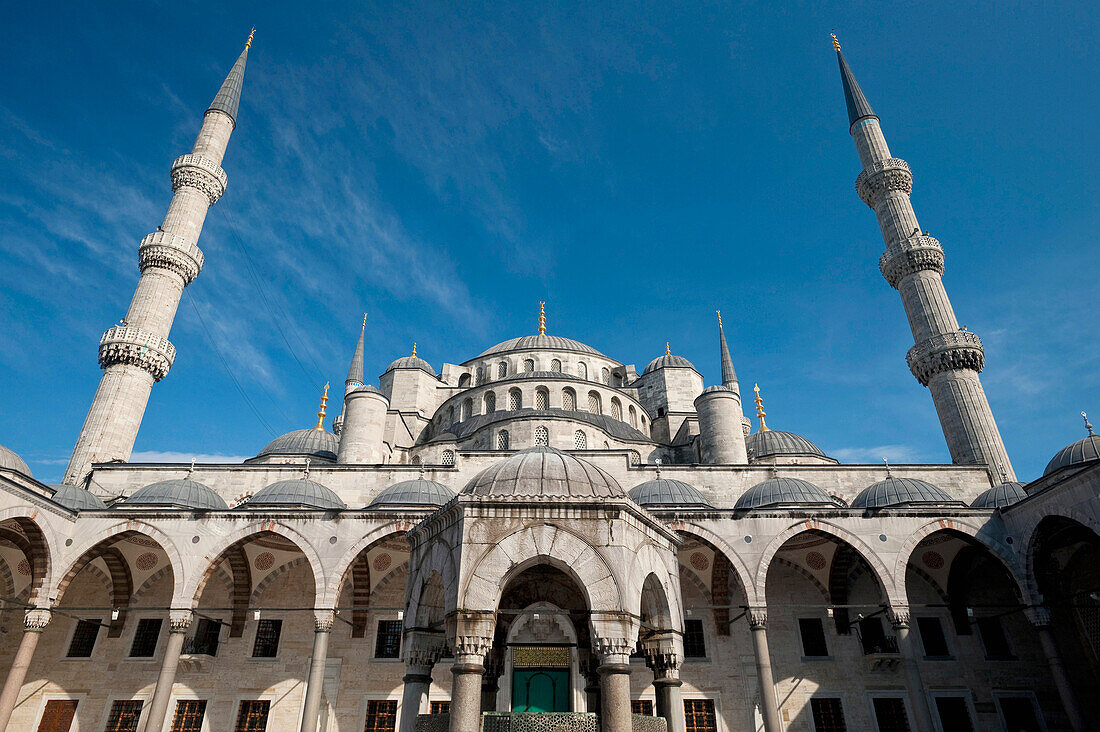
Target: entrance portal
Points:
(540, 690)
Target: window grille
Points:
(555, 366)
(124, 716)
(515, 400)
(502, 440)
(189, 715)
(828, 714)
(635, 458)
(252, 716)
(145, 638)
(387, 643)
(890, 714)
(641, 706)
(605, 376)
(502, 369)
(633, 416)
(439, 707)
(490, 402)
(569, 400)
(267, 638)
(381, 715)
(580, 442)
(205, 640)
(542, 399)
(529, 365)
(448, 457)
(699, 715)
(582, 370)
(83, 639)
(616, 410)
(542, 436)
(467, 409)
(479, 376)
(695, 645)
(594, 403)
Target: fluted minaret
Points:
(721, 421)
(946, 358)
(136, 353)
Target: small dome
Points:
(1001, 495)
(182, 493)
(10, 461)
(419, 492)
(298, 493)
(541, 342)
(311, 443)
(367, 388)
(77, 499)
(1082, 451)
(775, 492)
(717, 387)
(768, 443)
(665, 492)
(544, 471)
(411, 362)
(668, 361)
(901, 492)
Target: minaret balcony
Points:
(892, 174)
(946, 352)
(174, 253)
(202, 173)
(909, 256)
(123, 344)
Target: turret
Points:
(947, 358)
(136, 353)
(721, 422)
(668, 387)
(364, 417)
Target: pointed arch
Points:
(34, 544)
(976, 534)
(737, 565)
(81, 554)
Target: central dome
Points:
(541, 342)
(544, 471)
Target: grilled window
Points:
(542, 399)
(641, 706)
(381, 715)
(145, 638)
(633, 416)
(582, 370)
(490, 402)
(555, 366)
(439, 707)
(252, 716)
(502, 369)
(695, 645)
(580, 442)
(605, 375)
(205, 640)
(542, 436)
(890, 714)
(699, 715)
(83, 639)
(387, 643)
(515, 400)
(569, 400)
(635, 458)
(529, 365)
(448, 457)
(124, 716)
(502, 440)
(932, 637)
(594, 405)
(616, 410)
(479, 376)
(467, 409)
(813, 637)
(189, 715)
(828, 715)
(267, 638)
(58, 715)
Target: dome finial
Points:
(719, 318)
(305, 470)
(668, 351)
(887, 464)
(421, 471)
(836, 43)
(657, 462)
(414, 350)
(364, 320)
(542, 318)
(191, 470)
(1088, 425)
(321, 411)
(760, 413)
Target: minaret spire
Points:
(946, 358)
(729, 376)
(355, 370)
(136, 354)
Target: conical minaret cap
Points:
(729, 376)
(858, 106)
(355, 370)
(228, 98)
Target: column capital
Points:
(899, 615)
(323, 620)
(36, 620)
(422, 650)
(179, 621)
(612, 650)
(663, 653)
(1038, 615)
(758, 617)
(473, 636)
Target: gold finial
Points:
(719, 318)
(760, 413)
(321, 412)
(836, 43)
(414, 351)
(248, 43)
(668, 351)
(364, 320)
(542, 318)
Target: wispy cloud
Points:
(155, 456)
(867, 455)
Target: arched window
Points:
(616, 409)
(582, 370)
(464, 380)
(502, 440)
(542, 436)
(448, 457)
(633, 416)
(515, 400)
(490, 402)
(605, 375)
(635, 458)
(569, 400)
(580, 441)
(555, 366)
(594, 405)
(528, 365)
(467, 409)
(479, 378)
(542, 399)
(643, 425)
(502, 369)
(415, 460)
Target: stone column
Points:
(1040, 618)
(179, 622)
(422, 651)
(664, 655)
(473, 638)
(758, 624)
(613, 655)
(918, 698)
(34, 622)
(322, 631)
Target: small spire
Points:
(542, 318)
(355, 370)
(668, 351)
(228, 98)
(836, 43)
(657, 462)
(858, 106)
(760, 413)
(887, 464)
(414, 351)
(1088, 425)
(252, 34)
(191, 470)
(321, 411)
(729, 375)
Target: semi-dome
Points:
(317, 443)
(775, 492)
(768, 443)
(544, 471)
(179, 493)
(668, 361)
(417, 492)
(901, 492)
(665, 492)
(299, 493)
(411, 362)
(541, 342)
(77, 499)
(1001, 495)
(9, 460)
(1082, 451)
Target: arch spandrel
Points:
(435, 558)
(1031, 572)
(737, 564)
(340, 573)
(46, 541)
(649, 564)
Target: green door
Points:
(540, 690)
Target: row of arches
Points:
(502, 369)
(568, 401)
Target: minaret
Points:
(136, 353)
(363, 421)
(721, 422)
(355, 370)
(946, 358)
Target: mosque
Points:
(541, 537)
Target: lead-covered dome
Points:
(180, 493)
(315, 443)
(1080, 452)
(411, 362)
(418, 492)
(300, 493)
(665, 492)
(901, 492)
(9, 460)
(1000, 496)
(543, 472)
(668, 361)
(541, 342)
(769, 443)
(76, 498)
(783, 492)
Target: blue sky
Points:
(445, 166)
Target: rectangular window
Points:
(387, 644)
(874, 638)
(699, 715)
(641, 706)
(993, 638)
(145, 638)
(205, 640)
(694, 643)
(828, 715)
(252, 716)
(189, 714)
(58, 715)
(267, 639)
(439, 707)
(124, 716)
(1019, 713)
(932, 637)
(954, 714)
(812, 631)
(381, 715)
(83, 639)
(890, 714)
